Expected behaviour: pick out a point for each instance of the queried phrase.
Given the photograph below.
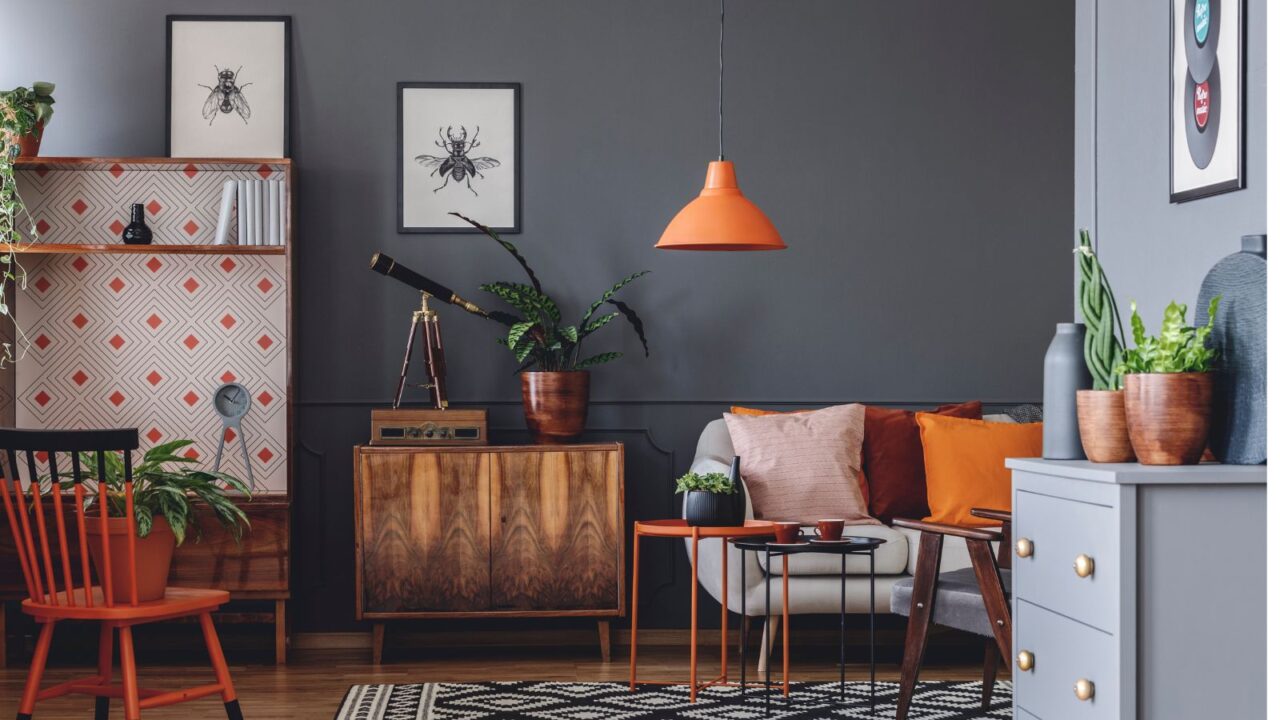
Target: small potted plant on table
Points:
(1168, 388)
(710, 499)
(164, 502)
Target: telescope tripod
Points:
(426, 322)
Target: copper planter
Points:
(1103, 428)
(555, 404)
(1168, 416)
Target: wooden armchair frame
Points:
(986, 566)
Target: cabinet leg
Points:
(603, 628)
(282, 635)
(379, 633)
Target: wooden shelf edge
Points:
(76, 160)
(75, 249)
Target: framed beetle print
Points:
(1206, 98)
(458, 148)
(228, 86)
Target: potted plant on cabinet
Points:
(1100, 412)
(164, 502)
(24, 113)
(1168, 388)
(554, 375)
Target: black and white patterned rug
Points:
(597, 701)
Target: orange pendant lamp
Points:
(721, 217)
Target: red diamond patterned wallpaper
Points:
(138, 341)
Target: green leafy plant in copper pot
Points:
(1168, 387)
(553, 371)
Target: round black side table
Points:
(853, 545)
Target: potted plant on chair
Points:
(1168, 388)
(164, 502)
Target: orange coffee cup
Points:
(830, 529)
(786, 532)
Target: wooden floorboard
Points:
(314, 682)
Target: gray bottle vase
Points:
(1064, 373)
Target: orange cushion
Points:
(964, 464)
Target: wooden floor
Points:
(314, 682)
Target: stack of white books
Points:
(259, 207)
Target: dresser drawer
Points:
(1065, 533)
(1065, 652)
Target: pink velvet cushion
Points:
(803, 466)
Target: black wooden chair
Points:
(974, 599)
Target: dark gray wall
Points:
(915, 155)
(1155, 251)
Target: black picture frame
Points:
(1226, 186)
(287, 20)
(517, 165)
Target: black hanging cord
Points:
(721, 108)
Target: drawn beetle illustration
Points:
(226, 96)
(457, 164)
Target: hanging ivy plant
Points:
(22, 112)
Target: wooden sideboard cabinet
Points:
(473, 532)
(1139, 593)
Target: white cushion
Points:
(891, 557)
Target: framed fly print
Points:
(458, 150)
(1206, 98)
(227, 90)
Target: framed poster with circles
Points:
(1206, 98)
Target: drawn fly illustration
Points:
(226, 96)
(458, 164)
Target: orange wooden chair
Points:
(45, 539)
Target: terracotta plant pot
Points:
(555, 404)
(154, 555)
(1103, 430)
(1168, 416)
(29, 144)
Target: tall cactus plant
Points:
(1103, 351)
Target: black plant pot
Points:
(706, 509)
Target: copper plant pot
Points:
(1168, 416)
(1103, 429)
(555, 404)
(154, 556)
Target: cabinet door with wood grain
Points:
(555, 521)
(424, 531)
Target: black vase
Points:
(739, 495)
(137, 233)
(707, 509)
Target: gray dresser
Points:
(1138, 592)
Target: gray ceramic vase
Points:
(1064, 373)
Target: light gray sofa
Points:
(815, 579)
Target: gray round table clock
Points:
(232, 402)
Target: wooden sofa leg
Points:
(768, 638)
(922, 597)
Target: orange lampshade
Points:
(721, 218)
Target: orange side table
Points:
(682, 529)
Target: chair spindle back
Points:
(40, 542)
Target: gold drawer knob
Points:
(1024, 548)
(1084, 689)
(1083, 565)
(1026, 661)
